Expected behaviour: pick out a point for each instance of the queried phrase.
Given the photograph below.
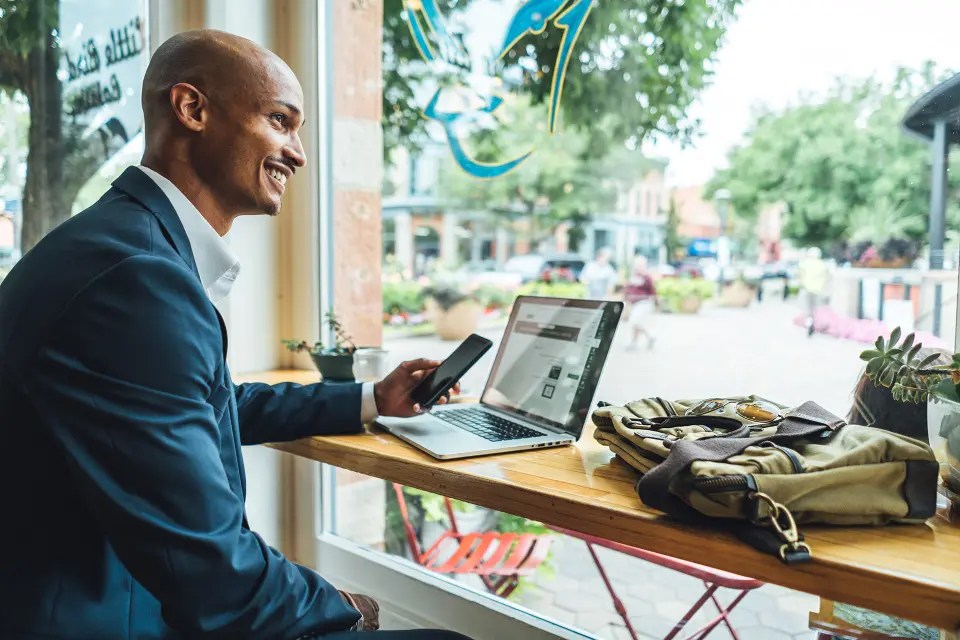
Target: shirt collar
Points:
(217, 265)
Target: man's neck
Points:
(194, 189)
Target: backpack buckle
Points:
(785, 527)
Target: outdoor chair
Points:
(498, 559)
(712, 580)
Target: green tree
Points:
(554, 185)
(671, 234)
(842, 164)
(59, 159)
(640, 62)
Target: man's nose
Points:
(295, 152)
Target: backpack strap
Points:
(809, 419)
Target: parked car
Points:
(535, 266)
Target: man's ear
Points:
(189, 105)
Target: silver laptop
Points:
(540, 388)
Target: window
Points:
(784, 215)
(70, 75)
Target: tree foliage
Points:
(555, 184)
(842, 164)
(640, 62)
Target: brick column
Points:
(358, 167)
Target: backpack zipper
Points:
(666, 407)
(720, 484)
(790, 453)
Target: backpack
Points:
(766, 469)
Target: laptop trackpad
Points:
(420, 427)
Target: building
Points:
(420, 227)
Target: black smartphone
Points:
(441, 379)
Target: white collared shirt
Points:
(218, 266)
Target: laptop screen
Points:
(550, 361)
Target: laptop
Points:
(540, 388)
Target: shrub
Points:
(402, 297)
(672, 291)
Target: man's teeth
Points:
(278, 175)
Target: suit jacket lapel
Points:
(143, 189)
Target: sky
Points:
(777, 50)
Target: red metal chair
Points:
(498, 559)
(712, 579)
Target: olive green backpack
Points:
(766, 468)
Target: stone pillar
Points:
(476, 243)
(403, 239)
(449, 241)
(358, 167)
(502, 244)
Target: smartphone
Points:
(441, 379)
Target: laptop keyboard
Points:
(486, 425)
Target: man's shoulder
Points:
(115, 243)
(113, 229)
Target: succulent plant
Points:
(911, 378)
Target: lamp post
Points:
(722, 198)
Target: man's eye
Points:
(279, 118)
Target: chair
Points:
(498, 559)
(712, 580)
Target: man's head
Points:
(603, 255)
(223, 114)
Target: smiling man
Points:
(123, 485)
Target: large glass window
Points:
(751, 159)
(70, 119)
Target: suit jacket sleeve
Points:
(282, 412)
(124, 387)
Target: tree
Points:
(671, 237)
(59, 158)
(842, 164)
(554, 185)
(640, 62)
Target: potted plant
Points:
(898, 366)
(683, 295)
(455, 314)
(738, 293)
(334, 363)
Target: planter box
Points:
(457, 322)
(737, 294)
(690, 304)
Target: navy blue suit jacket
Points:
(121, 480)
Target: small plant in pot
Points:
(334, 363)
(933, 379)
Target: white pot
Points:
(943, 431)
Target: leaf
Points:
(895, 336)
(930, 359)
(879, 343)
(870, 354)
(912, 353)
(873, 367)
(888, 377)
(946, 390)
(908, 342)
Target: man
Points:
(123, 483)
(599, 276)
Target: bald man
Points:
(122, 482)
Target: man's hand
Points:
(392, 394)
